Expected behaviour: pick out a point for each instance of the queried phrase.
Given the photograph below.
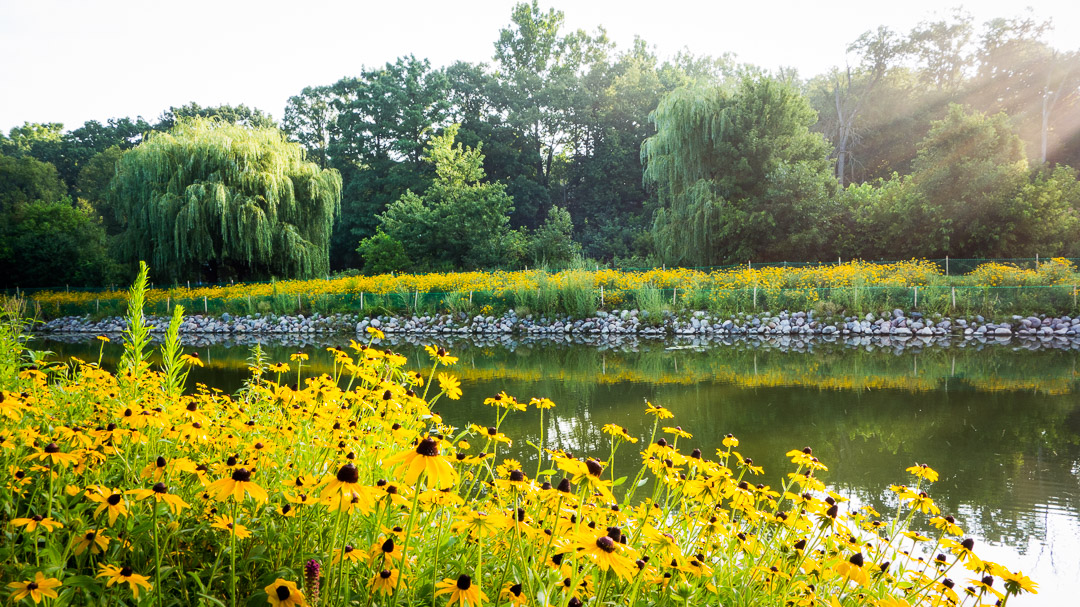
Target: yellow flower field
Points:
(345, 488)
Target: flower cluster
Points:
(349, 488)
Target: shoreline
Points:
(898, 330)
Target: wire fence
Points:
(949, 267)
(946, 300)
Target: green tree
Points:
(967, 174)
(51, 243)
(737, 173)
(217, 201)
(26, 179)
(460, 221)
(372, 129)
(309, 119)
(239, 114)
(552, 244)
(383, 254)
(93, 185)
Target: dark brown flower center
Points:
(241, 475)
(517, 476)
(32, 586)
(388, 545)
(384, 574)
(595, 469)
(114, 499)
(126, 572)
(160, 488)
(606, 544)
(52, 448)
(282, 592)
(428, 448)
(464, 582)
(348, 473)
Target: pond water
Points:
(999, 421)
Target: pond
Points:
(999, 421)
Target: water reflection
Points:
(1000, 421)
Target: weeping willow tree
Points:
(216, 201)
(738, 173)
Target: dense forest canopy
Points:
(955, 138)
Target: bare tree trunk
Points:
(1045, 124)
(843, 133)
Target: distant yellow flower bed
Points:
(617, 284)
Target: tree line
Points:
(954, 138)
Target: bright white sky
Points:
(75, 60)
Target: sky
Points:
(70, 61)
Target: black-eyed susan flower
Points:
(160, 493)
(462, 591)
(1017, 583)
(235, 486)
(384, 582)
(283, 593)
(617, 431)
(947, 524)
(450, 386)
(513, 593)
(192, 359)
(32, 522)
(124, 575)
(607, 553)
(440, 355)
(658, 412)
(425, 459)
(91, 539)
(542, 403)
(348, 553)
(383, 554)
(38, 588)
(924, 472)
(107, 501)
(52, 453)
(853, 570)
(226, 524)
(344, 483)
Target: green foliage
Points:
(968, 172)
(738, 173)
(13, 338)
(137, 334)
(460, 221)
(173, 366)
(552, 243)
(53, 244)
(26, 179)
(93, 185)
(215, 201)
(383, 254)
(240, 115)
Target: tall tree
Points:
(539, 68)
(461, 220)
(737, 173)
(968, 173)
(213, 200)
(233, 114)
(850, 89)
(309, 120)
